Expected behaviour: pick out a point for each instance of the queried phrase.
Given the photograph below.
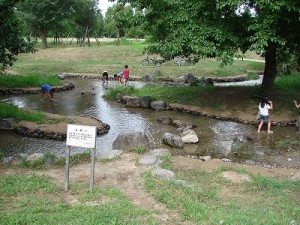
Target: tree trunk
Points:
(44, 38)
(118, 37)
(270, 70)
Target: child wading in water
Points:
(125, 75)
(264, 106)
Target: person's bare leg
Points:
(269, 127)
(260, 125)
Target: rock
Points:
(235, 177)
(189, 136)
(148, 78)
(129, 140)
(226, 160)
(296, 177)
(7, 124)
(242, 138)
(160, 152)
(189, 78)
(148, 160)
(182, 124)
(163, 173)
(112, 154)
(145, 101)
(8, 160)
(61, 76)
(205, 158)
(158, 105)
(35, 156)
(165, 120)
(119, 98)
(131, 101)
(173, 140)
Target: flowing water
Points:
(215, 136)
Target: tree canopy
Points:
(12, 42)
(45, 15)
(223, 29)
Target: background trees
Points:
(11, 40)
(223, 29)
(45, 15)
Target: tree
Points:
(86, 14)
(117, 19)
(223, 29)
(12, 42)
(45, 15)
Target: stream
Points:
(216, 137)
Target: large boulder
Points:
(7, 124)
(130, 140)
(182, 124)
(145, 101)
(158, 105)
(172, 140)
(165, 120)
(131, 101)
(149, 78)
(189, 136)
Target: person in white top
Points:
(264, 106)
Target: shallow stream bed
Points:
(215, 136)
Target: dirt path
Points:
(125, 175)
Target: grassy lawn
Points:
(208, 199)
(35, 199)
(108, 56)
(264, 200)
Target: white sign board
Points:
(81, 136)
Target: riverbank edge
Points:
(54, 131)
(34, 90)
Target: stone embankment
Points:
(146, 102)
(16, 91)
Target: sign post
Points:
(81, 136)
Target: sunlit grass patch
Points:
(13, 81)
(260, 201)
(34, 199)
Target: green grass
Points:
(51, 160)
(108, 56)
(35, 199)
(7, 111)
(13, 81)
(261, 201)
(10, 111)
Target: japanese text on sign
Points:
(81, 136)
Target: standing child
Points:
(105, 77)
(125, 74)
(264, 106)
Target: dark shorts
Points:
(264, 118)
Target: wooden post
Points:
(298, 122)
(92, 169)
(67, 183)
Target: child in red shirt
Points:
(125, 74)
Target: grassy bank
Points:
(13, 81)
(29, 198)
(219, 98)
(10, 111)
